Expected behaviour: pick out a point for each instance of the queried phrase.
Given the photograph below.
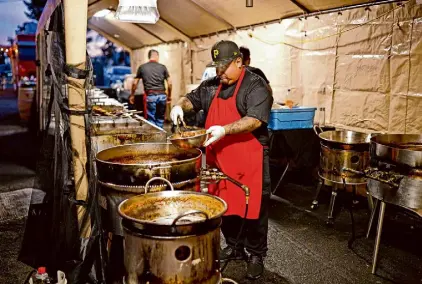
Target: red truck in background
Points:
(22, 56)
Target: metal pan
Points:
(135, 164)
(405, 149)
(189, 139)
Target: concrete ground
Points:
(16, 178)
(302, 249)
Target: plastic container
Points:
(295, 118)
(40, 277)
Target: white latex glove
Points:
(176, 112)
(217, 132)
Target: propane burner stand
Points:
(340, 149)
(391, 178)
(394, 176)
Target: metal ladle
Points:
(180, 122)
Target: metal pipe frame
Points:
(110, 38)
(344, 8)
(205, 9)
(174, 29)
(371, 219)
(150, 33)
(93, 3)
(378, 238)
(301, 16)
(301, 6)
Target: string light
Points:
(328, 36)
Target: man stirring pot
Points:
(237, 105)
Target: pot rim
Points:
(147, 164)
(368, 137)
(172, 138)
(171, 194)
(390, 146)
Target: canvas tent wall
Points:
(361, 65)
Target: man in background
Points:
(154, 76)
(246, 53)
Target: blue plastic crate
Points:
(295, 118)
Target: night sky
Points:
(12, 14)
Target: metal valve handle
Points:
(214, 174)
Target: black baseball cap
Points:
(224, 52)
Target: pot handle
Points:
(228, 280)
(189, 213)
(158, 178)
(317, 129)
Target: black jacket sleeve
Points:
(195, 98)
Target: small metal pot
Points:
(189, 139)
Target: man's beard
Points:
(224, 81)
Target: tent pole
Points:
(344, 8)
(303, 15)
(76, 14)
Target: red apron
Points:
(240, 156)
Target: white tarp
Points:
(363, 66)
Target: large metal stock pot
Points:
(343, 149)
(396, 169)
(135, 164)
(172, 237)
(123, 172)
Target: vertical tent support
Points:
(76, 13)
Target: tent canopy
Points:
(188, 19)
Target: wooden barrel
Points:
(25, 98)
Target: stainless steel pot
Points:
(133, 165)
(343, 149)
(395, 176)
(408, 194)
(172, 213)
(120, 180)
(396, 169)
(172, 237)
(332, 162)
(405, 149)
(345, 140)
